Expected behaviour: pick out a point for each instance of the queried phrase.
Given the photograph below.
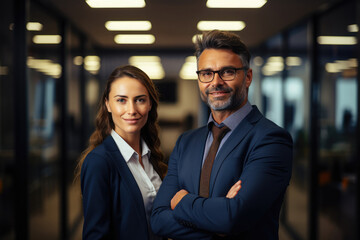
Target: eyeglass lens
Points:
(225, 74)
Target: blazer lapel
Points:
(235, 138)
(125, 174)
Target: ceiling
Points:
(174, 21)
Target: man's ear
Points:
(248, 78)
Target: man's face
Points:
(223, 95)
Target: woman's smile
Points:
(129, 104)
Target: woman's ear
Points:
(107, 105)
(150, 106)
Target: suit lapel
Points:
(125, 174)
(235, 138)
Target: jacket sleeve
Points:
(95, 187)
(162, 219)
(265, 176)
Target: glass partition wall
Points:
(52, 129)
(297, 122)
(74, 134)
(321, 200)
(44, 103)
(337, 123)
(63, 95)
(7, 161)
(282, 79)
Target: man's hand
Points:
(177, 198)
(180, 194)
(234, 190)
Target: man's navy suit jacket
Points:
(257, 152)
(112, 201)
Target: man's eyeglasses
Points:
(226, 74)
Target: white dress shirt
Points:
(146, 178)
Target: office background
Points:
(49, 95)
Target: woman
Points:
(122, 169)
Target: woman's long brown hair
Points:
(104, 123)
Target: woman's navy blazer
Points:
(112, 201)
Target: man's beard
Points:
(236, 99)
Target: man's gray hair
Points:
(223, 40)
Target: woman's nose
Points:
(131, 109)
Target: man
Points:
(253, 150)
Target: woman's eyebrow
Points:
(123, 96)
(143, 95)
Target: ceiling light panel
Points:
(128, 25)
(142, 59)
(336, 40)
(92, 64)
(195, 37)
(134, 39)
(116, 3)
(235, 3)
(47, 39)
(258, 61)
(45, 66)
(221, 25)
(188, 69)
(341, 65)
(353, 28)
(34, 26)
(293, 61)
(151, 65)
(78, 60)
(4, 70)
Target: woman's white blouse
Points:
(146, 178)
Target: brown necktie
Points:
(218, 134)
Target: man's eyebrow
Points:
(224, 67)
(206, 69)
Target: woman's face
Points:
(129, 104)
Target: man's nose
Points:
(217, 80)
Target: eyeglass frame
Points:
(218, 72)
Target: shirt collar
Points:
(126, 150)
(234, 119)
